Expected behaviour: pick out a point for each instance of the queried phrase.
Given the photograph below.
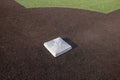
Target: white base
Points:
(57, 46)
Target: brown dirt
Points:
(23, 31)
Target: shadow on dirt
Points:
(74, 45)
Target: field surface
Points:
(94, 36)
(103, 6)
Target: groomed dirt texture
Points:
(94, 36)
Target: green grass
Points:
(103, 6)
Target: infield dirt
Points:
(95, 37)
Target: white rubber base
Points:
(57, 46)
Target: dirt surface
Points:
(96, 36)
